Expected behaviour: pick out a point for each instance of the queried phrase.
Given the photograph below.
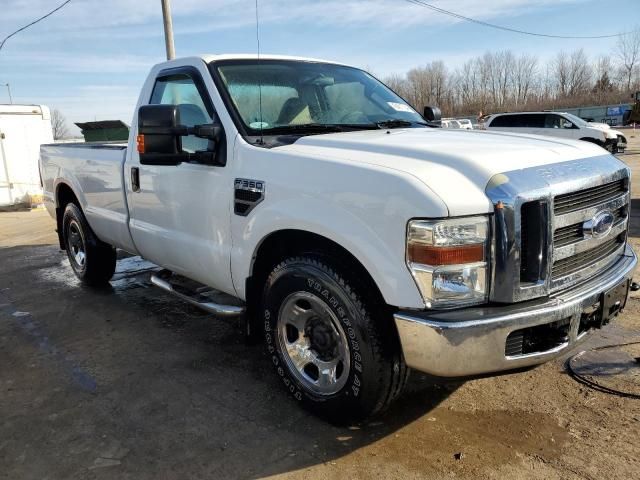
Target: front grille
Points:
(539, 247)
(574, 233)
(577, 262)
(589, 197)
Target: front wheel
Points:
(92, 260)
(331, 342)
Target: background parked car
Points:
(465, 123)
(564, 125)
(451, 123)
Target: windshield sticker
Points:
(257, 125)
(400, 107)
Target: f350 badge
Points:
(247, 195)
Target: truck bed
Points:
(94, 171)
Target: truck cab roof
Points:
(208, 58)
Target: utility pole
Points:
(168, 29)
(8, 90)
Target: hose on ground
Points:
(594, 385)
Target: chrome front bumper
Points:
(472, 341)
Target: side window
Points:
(552, 121)
(181, 90)
(505, 121)
(565, 123)
(533, 120)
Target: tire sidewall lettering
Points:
(316, 286)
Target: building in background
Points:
(609, 114)
(23, 128)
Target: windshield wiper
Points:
(396, 123)
(317, 128)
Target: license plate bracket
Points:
(614, 300)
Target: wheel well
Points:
(591, 140)
(287, 243)
(64, 196)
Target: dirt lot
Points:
(127, 382)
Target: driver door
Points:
(180, 214)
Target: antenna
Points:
(259, 82)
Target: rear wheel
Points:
(92, 260)
(332, 342)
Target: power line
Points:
(34, 22)
(507, 29)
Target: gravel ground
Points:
(127, 382)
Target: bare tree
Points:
(579, 73)
(628, 51)
(603, 85)
(397, 83)
(560, 73)
(499, 81)
(572, 73)
(524, 75)
(59, 125)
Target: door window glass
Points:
(182, 91)
(532, 120)
(553, 121)
(506, 121)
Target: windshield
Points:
(576, 120)
(287, 95)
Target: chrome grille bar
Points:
(560, 253)
(589, 212)
(589, 197)
(586, 258)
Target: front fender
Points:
(382, 257)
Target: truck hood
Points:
(456, 165)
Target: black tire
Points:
(97, 263)
(376, 372)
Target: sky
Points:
(90, 59)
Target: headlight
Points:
(448, 260)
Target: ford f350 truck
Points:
(355, 239)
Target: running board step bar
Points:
(201, 296)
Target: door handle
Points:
(135, 179)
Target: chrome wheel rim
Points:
(313, 343)
(75, 242)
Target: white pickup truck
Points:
(357, 240)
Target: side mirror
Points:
(158, 143)
(160, 132)
(432, 115)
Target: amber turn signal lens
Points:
(430, 255)
(140, 143)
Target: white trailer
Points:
(23, 128)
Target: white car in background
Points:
(465, 123)
(558, 124)
(457, 123)
(450, 123)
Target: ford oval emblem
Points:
(599, 226)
